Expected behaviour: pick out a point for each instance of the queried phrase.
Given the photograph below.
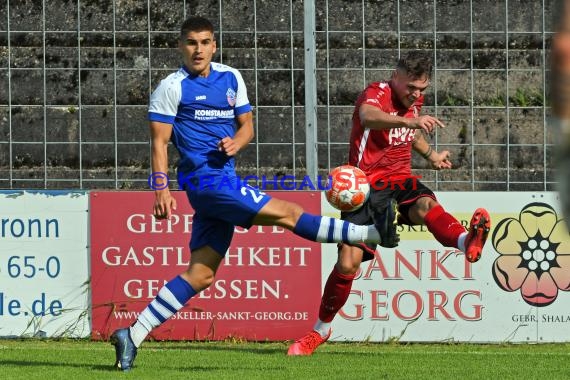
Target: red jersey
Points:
(385, 153)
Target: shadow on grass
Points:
(237, 348)
(110, 368)
(28, 363)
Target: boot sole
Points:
(482, 226)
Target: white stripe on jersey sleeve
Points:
(362, 145)
(166, 98)
(241, 96)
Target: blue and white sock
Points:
(331, 230)
(168, 301)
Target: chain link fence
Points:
(75, 77)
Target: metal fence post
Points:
(310, 88)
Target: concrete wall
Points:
(115, 80)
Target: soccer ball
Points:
(348, 188)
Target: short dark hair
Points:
(416, 63)
(195, 24)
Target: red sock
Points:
(444, 227)
(337, 290)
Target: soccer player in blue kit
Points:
(204, 109)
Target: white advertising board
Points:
(44, 267)
(421, 291)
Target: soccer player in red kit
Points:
(386, 126)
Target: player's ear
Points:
(215, 46)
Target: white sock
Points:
(461, 241)
(323, 328)
(363, 234)
(139, 332)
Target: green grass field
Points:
(74, 360)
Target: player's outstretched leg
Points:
(478, 230)
(386, 222)
(125, 349)
(324, 229)
(307, 344)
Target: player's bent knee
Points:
(295, 211)
(200, 283)
(426, 203)
(349, 259)
(349, 263)
(347, 268)
(279, 212)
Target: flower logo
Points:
(534, 254)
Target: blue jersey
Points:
(202, 112)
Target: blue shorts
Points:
(220, 204)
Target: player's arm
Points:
(244, 134)
(437, 160)
(373, 117)
(160, 134)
